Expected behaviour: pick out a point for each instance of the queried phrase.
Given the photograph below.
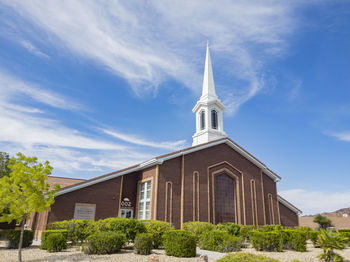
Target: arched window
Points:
(202, 118)
(214, 119)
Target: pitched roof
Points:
(63, 181)
(289, 205)
(160, 159)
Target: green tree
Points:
(4, 164)
(323, 221)
(25, 191)
(329, 241)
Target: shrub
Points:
(105, 243)
(180, 243)
(246, 257)
(157, 229)
(245, 231)
(231, 228)
(267, 241)
(78, 229)
(143, 244)
(269, 228)
(344, 230)
(329, 241)
(46, 233)
(217, 240)
(14, 235)
(56, 242)
(313, 235)
(197, 228)
(58, 225)
(294, 239)
(345, 234)
(130, 227)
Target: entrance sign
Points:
(84, 211)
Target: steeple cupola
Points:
(208, 110)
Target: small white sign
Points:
(84, 211)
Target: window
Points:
(202, 118)
(214, 119)
(144, 211)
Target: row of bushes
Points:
(80, 229)
(226, 237)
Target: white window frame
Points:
(143, 199)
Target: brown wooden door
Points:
(225, 210)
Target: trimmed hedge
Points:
(14, 236)
(79, 229)
(157, 229)
(344, 230)
(143, 243)
(180, 243)
(46, 233)
(198, 228)
(217, 240)
(105, 243)
(294, 239)
(246, 257)
(58, 225)
(130, 227)
(56, 242)
(245, 231)
(267, 241)
(231, 228)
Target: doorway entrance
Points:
(127, 213)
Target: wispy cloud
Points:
(343, 136)
(31, 48)
(295, 91)
(313, 202)
(147, 43)
(35, 131)
(143, 142)
(14, 89)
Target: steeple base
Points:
(206, 136)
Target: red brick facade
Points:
(183, 189)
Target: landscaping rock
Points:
(153, 258)
(202, 258)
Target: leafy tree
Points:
(24, 191)
(4, 162)
(329, 241)
(323, 221)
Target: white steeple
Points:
(208, 110)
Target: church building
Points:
(216, 180)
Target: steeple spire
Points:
(208, 110)
(208, 89)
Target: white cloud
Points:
(343, 136)
(295, 91)
(143, 142)
(14, 89)
(31, 48)
(148, 42)
(34, 131)
(313, 202)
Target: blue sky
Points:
(97, 87)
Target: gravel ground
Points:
(74, 254)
